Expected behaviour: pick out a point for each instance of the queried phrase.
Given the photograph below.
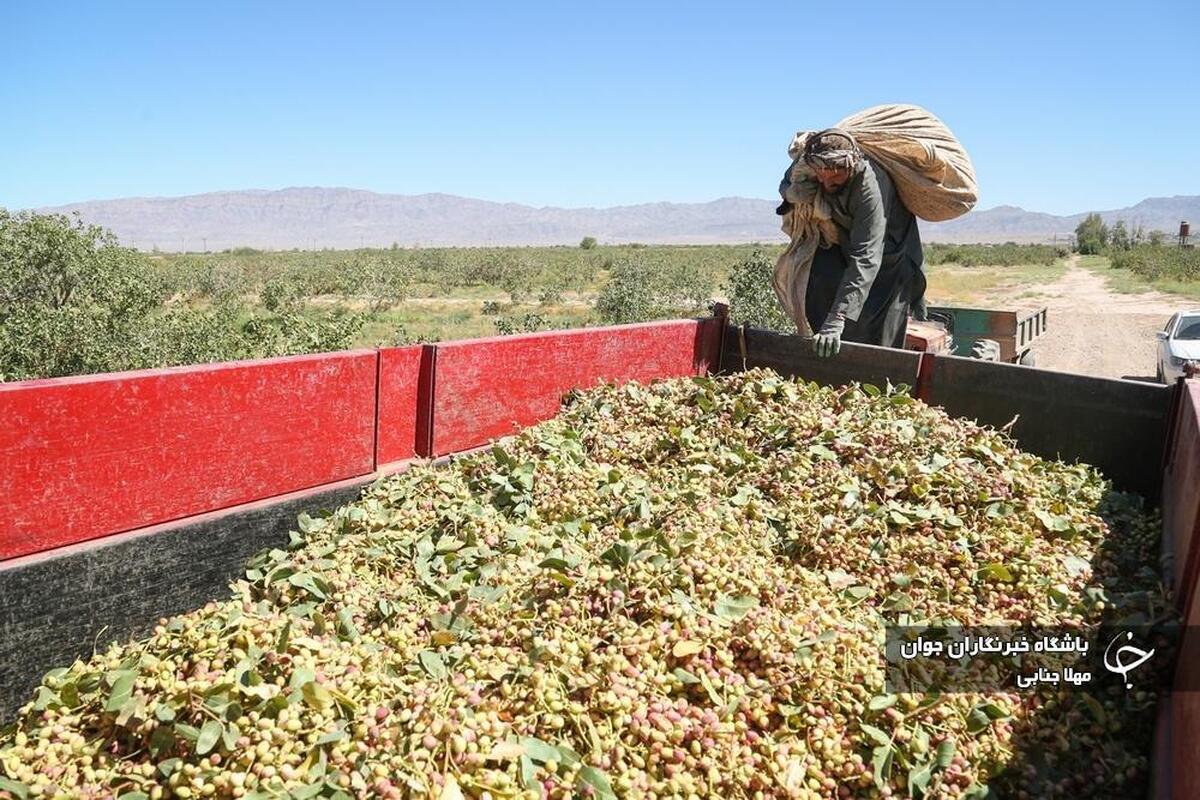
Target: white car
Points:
(1178, 344)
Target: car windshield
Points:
(1189, 328)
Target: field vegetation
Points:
(74, 301)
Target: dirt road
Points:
(1092, 330)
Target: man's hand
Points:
(828, 341)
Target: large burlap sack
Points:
(929, 167)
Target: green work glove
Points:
(828, 340)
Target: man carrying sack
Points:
(863, 288)
(855, 267)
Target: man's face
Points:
(831, 179)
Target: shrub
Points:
(71, 298)
(752, 298)
(629, 294)
(529, 323)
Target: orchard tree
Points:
(1118, 237)
(752, 297)
(72, 300)
(1091, 235)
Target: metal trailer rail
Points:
(132, 496)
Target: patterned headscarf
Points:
(832, 148)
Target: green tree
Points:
(1091, 235)
(72, 300)
(1118, 237)
(629, 294)
(1156, 238)
(588, 243)
(752, 298)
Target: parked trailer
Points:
(132, 496)
(978, 333)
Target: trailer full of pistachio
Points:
(667, 591)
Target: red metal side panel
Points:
(85, 457)
(405, 392)
(487, 388)
(1185, 713)
(1181, 493)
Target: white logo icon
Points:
(1123, 668)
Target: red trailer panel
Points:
(405, 394)
(1181, 493)
(487, 388)
(89, 456)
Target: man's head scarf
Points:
(832, 149)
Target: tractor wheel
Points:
(985, 349)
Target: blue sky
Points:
(1064, 107)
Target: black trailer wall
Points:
(62, 606)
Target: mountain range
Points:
(314, 217)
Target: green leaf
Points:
(878, 736)
(281, 644)
(168, 767)
(307, 582)
(317, 696)
(210, 733)
(539, 751)
(133, 796)
(432, 663)
(618, 555)
(1076, 565)
(598, 781)
(306, 792)
(121, 682)
(881, 762)
(528, 772)
(301, 676)
(734, 608)
(345, 625)
(281, 573)
(187, 732)
(996, 571)
(19, 790)
(706, 682)
(1054, 523)
(684, 676)
(882, 701)
(230, 736)
(945, 753)
(822, 452)
(331, 737)
(983, 715)
(918, 779)
(858, 593)
(162, 741)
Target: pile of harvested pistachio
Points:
(667, 591)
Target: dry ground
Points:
(1090, 328)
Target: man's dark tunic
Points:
(876, 272)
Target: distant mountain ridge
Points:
(314, 217)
